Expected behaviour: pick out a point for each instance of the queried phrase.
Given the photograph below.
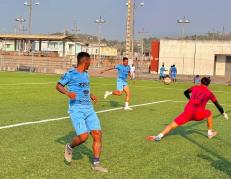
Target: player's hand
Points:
(93, 98)
(71, 95)
(225, 115)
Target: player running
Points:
(122, 85)
(82, 114)
(195, 110)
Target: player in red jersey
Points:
(195, 110)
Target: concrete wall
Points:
(193, 57)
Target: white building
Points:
(193, 57)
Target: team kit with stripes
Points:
(75, 84)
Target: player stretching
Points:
(82, 114)
(122, 85)
(195, 110)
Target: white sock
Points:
(110, 92)
(126, 104)
(210, 132)
(160, 135)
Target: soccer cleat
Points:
(214, 133)
(128, 108)
(225, 115)
(68, 153)
(106, 94)
(98, 167)
(153, 138)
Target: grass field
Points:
(36, 150)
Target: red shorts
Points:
(192, 115)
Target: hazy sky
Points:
(158, 17)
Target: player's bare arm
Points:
(130, 75)
(107, 70)
(93, 98)
(63, 90)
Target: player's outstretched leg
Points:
(97, 144)
(116, 93)
(77, 140)
(211, 133)
(167, 129)
(127, 98)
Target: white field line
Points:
(228, 105)
(139, 86)
(14, 84)
(154, 87)
(61, 118)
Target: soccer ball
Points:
(167, 81)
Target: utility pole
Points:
(75, 30)
(99, 22)
(132, 5)
(142, 33)
(20, 21)
(183, 22)
(30, 4)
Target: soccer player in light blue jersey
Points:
(173, 72)
(122, 85)
(82, 114)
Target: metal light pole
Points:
(75, 30)
(142, 33)
(132, 5)
(99, 22)
(20, 20)
(183, 22)
(30, 4)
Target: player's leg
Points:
(78, 122)
(179, 120)
(127, 97)
(97, 144)
(211, 133)
(117, 92)
(93, 125)
(167, 129)
(206, 114)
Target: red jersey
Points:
(200, 95)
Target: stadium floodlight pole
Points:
(99, 22)
(132, 5)
(75, 30)
(30, 4)
(183, 22)
(142, 33)
(20, 20)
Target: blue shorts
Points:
(84, 119)
(173, 75)
(121, 84)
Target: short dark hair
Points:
(205, 81)
(81, 55)
(125, 58)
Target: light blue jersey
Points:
(78, 83)
(173, 72)
(123, 71)
(82, 114)
(162, 70)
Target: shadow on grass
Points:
(115, 104)
(79, 151)
(219, 163)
